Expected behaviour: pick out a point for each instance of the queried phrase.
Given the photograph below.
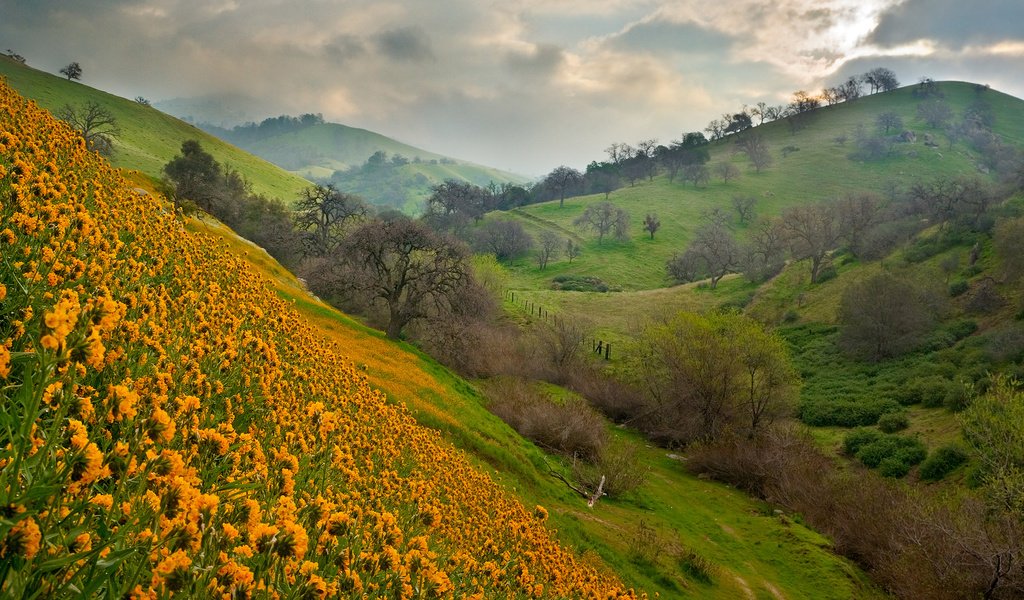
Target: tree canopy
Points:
(717, 372)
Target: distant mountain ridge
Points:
(308, 143)
(315, 149)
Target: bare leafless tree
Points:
(95, 123)
(406, 267)
(603, 218)
(548, 248)
(323, 212)
(812, 232)
(744, 206)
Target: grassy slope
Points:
(757, 553)
(339, 145)
(149, 138)
(818, 171)
(329, 147)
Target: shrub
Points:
(827, 273)
(893, 422)
(571, 427)
(621, 466)
(579, 283)
(961, 328)
(645, 545)
(885, 316)
(958, 287)
(893, 467)
(615, 399)
(899, 453)
(959, 396)
(942, 462)
(1005, 344)
(857, 438)
(926, 247)
(696, 566)
(845, 413)
(929, 391)
(973, 270)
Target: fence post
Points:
(608, 351)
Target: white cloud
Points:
(523, 84)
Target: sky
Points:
(522, 85)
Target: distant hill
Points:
(979, 329)
(222, 110)
(148, 138)
(810, 165)
(400, 175)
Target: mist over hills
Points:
(399, 176)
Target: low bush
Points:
(827, 273)
(1005, 344)
(579, 283)
(929, 391)
(949, 334)
(696, 566)
(571, 427)
(845, 413)
(958, 287)
(893, 455)
(615, 399)
(907, 539)
(857, 438)
(621, 466)
(926, 247)
(893, 422)
(959, 396)
(942, 462)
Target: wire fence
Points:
(599, 347)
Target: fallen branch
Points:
(591, 498)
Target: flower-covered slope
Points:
(168, 426)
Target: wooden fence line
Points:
(601, 348)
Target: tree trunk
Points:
(395, 325)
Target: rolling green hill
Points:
(751, 550)
(402, 178)
(810, 165)
(971, 339)
(148, 138)
(324, 148)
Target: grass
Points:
(751, 549)
(149, 138)
(819, 171)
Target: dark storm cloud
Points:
(405, 44)
(953, 23)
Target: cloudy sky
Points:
(524, 85)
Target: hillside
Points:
(172, 426)
(148, 138)
(976, 333)
(142, 347)
(809, 165)
(400, 178)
